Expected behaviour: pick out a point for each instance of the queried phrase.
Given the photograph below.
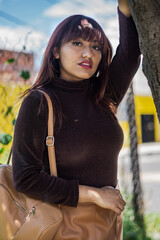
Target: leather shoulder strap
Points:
(49, 138)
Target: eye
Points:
(97, 48)
(76, 43)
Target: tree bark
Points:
(146, 14)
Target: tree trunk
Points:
(146, 14)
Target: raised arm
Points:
(126, 60)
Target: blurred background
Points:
(25, 28)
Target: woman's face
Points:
(79, 59)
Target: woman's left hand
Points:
(124, 7)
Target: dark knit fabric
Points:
(89, 140)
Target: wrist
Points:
(124, 7)
(88, 194)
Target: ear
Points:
(55, 53)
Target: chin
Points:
(86, 76)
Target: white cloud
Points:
(104, 12)
(111, 28)
(92, 8)
(16, 38)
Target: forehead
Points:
(86, 34)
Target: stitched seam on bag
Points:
(94, 232)
(118, 237)
(116, 229)
(59, 220)
(15, 202)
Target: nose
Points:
(87, 52)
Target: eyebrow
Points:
(79, 38)
(95, 41)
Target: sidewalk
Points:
(149, 163)
(143, 149)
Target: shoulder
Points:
(34, 102)
(33, 96)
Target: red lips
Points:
(86, 64)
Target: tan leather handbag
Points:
(22, 217)
(88, 221)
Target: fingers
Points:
(119, 208)
(111, 198)
(119, 196)
(120, 203)
(121, 200)
(118, 211)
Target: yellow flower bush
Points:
(9, 106)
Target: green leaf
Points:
(25, 75)
(9, 110)
(1, 150)
(9, 61)
(13, 122)
(5, 139)
(132, 236)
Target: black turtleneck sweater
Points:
(89, 140)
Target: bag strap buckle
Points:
(49, 141)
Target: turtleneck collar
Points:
(67, 86)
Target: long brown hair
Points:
(70, 29)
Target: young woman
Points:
(86, 86)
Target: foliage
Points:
(8, 113)
(9, 61)
(25, 75)
(152, 221)
(1, 149)
(9, 110)
(4, 156)
(5, 138)
(10, 88)
(131, 231)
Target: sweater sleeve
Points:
(126, 60)
(29, 147)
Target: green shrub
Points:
(131, 230)
(9, 93)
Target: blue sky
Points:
(42, 14)
(31, 22)
(30, 11)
